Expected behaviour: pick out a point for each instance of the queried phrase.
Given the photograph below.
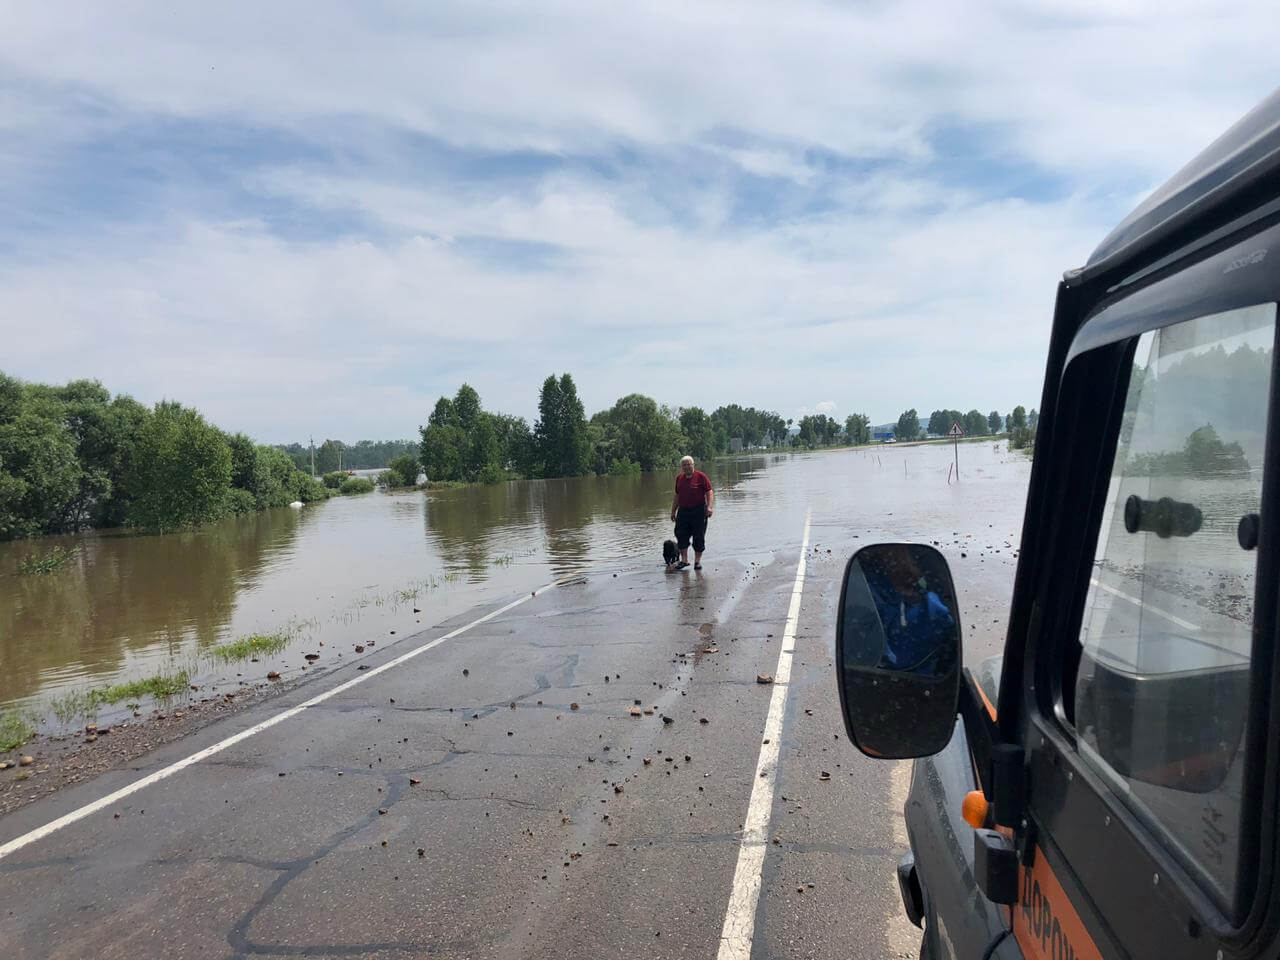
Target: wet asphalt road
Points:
(458, 805)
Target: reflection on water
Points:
(355, 568)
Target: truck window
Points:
(1161, 695)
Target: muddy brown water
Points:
(353, 569)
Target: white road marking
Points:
(39, 833)
(1185, 625)
(740, 917)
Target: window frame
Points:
(1110, 851)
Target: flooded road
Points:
(355, 569)
(552, 771)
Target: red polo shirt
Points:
(691, 491)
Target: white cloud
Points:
(895, 255)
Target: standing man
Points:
(691, 507)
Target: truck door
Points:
(1149, 679)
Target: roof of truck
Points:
(1226, 167)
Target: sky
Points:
(313, 219)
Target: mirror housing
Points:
(898, 651)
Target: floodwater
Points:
(356, 569)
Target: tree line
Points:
(1019, 424)
(74, 456)
(463, 442)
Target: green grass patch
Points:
(256, 644)
(161, 686)
(16, 728)
(503, 560)
(86, 703)
(40, 564)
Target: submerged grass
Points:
(86, 703)
(39, 564)
(16, 728)
(256, 644)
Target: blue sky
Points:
(313, 218)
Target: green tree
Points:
(994, 422)
(182, 472)
(516, 446)
(974, 424)
(329, 456)
(461, 440)
(908, 427)
(700, 433)
(636, 428)
(562, 447)
(1018, 419)
(857, 429)
(1032, 418)
(40, 477)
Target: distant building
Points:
(884, 432)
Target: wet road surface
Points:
(459, 804)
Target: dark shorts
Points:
(691, 524)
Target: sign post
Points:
(955, 433)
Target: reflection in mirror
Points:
(898, 646)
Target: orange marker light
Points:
(974, 809)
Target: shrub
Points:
(356, 485)
(333, 480)
(308, 489)
(402, 471)
(241, 501)
(623, 467)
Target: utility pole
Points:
(313, 457)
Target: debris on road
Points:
(824, 775)
(273, 675)
(764, 678)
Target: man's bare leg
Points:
(697, 559)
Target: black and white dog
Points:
(670, 553)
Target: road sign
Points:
(956, 430)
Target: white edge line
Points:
(1145, 606)
(738, 932)
(39, 833)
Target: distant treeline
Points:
(74, 456)
(462, 441)
(1020, 425)
(334, 455)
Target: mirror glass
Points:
(898, 650)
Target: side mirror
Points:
(898, 650)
